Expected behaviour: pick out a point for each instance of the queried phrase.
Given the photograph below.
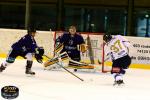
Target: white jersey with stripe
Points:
(117, 47)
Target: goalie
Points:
(71, 43)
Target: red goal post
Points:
(95, 50)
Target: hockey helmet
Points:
(31, 29)
(107, 37)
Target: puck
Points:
(75, 70)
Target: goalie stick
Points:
(90, 51)
(66, 69)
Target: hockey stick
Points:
(99, 62)
(90, 50)
(66, 69)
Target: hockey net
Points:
(95, 53)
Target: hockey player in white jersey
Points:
(116, 48)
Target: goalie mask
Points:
(107, 37)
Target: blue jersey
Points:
(71, 43)
(25, 44)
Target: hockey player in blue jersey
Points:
(71, 42)
(27, 48)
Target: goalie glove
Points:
(39, 53)
(83, 48)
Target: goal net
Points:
(95, 53)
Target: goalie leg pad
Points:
(63, 56)
(51, 62)
(80, 65)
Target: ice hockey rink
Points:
(61, 85)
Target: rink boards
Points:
(139, 50)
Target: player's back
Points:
(117, 48)
(25, 43)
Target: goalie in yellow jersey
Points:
(117, 48)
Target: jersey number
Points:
(116, 47)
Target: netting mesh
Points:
(95, 48)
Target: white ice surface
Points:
(60, 85)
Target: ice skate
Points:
(29, 72)
(119, 83)
(28, 68)
(2, 68)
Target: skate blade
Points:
(118, 85)
(30, 75)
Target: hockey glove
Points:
(39, 53)
(39, 58)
